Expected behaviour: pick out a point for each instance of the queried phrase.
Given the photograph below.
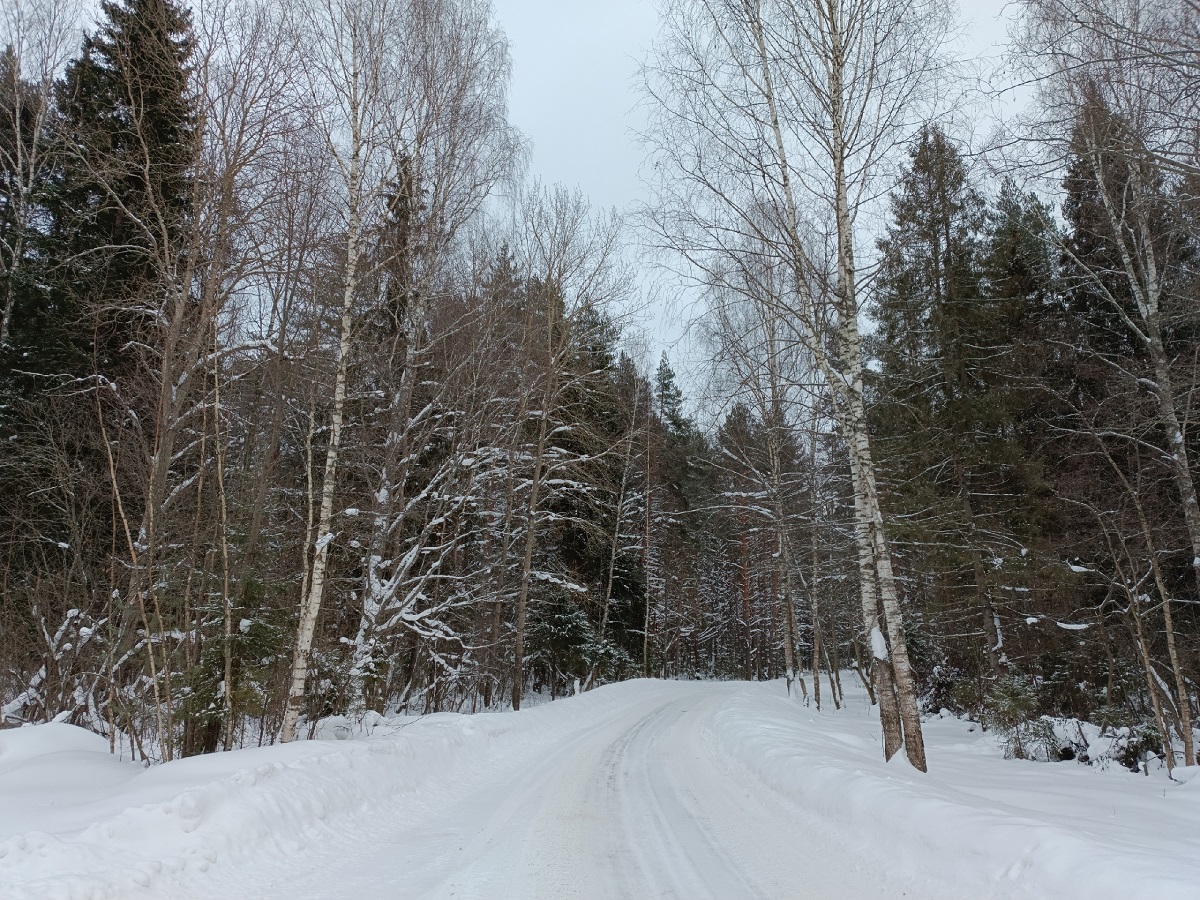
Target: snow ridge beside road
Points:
(629, 788)
(990, 826)
(155, 830)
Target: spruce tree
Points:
(946, 401)
(122, 200)
(685, 451)
(683, 472)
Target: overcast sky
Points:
(574, 63)
(573, 96)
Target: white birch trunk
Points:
(311, 604)
(844, 376)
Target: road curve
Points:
(639, 804)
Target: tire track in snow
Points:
(639, 803)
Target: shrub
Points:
(1010, 705)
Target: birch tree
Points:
(355, 77)
(38, 38)
(777, 122)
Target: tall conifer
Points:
(947, 399)
(123, 198)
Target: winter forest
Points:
(314, 402)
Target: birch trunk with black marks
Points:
(352, 170)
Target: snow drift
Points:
(76, 823)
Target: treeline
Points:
(1031, 425)
(295, 422)
(976, 370)
(311, 406)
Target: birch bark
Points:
(310, 607)
(352, 169)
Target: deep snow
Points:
(642, 789)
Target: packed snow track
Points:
(641, 804)
(641, 790)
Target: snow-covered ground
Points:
(643, 789)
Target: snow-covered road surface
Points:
(639, 804)
(640, 790)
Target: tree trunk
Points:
(311, 606)
(991, 623)
(616, 544)
(844, 376)
(879, 669)
(813, 592)
(527, 567)
(646, 562)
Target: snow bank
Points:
(78, 824)
(1000, 828)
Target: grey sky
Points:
(574, 63)
(573, 95)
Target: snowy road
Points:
(640, 804)
(645, 789)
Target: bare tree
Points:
(571, 258)
(37, 38)
(455, 148)
(1143, 54)
(354, 77)
(412, 104)
(776, 125)
(776, 377)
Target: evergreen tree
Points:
(669, 396)
(683, 461)
(122, 200)
(947, 399)
(683, 475)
